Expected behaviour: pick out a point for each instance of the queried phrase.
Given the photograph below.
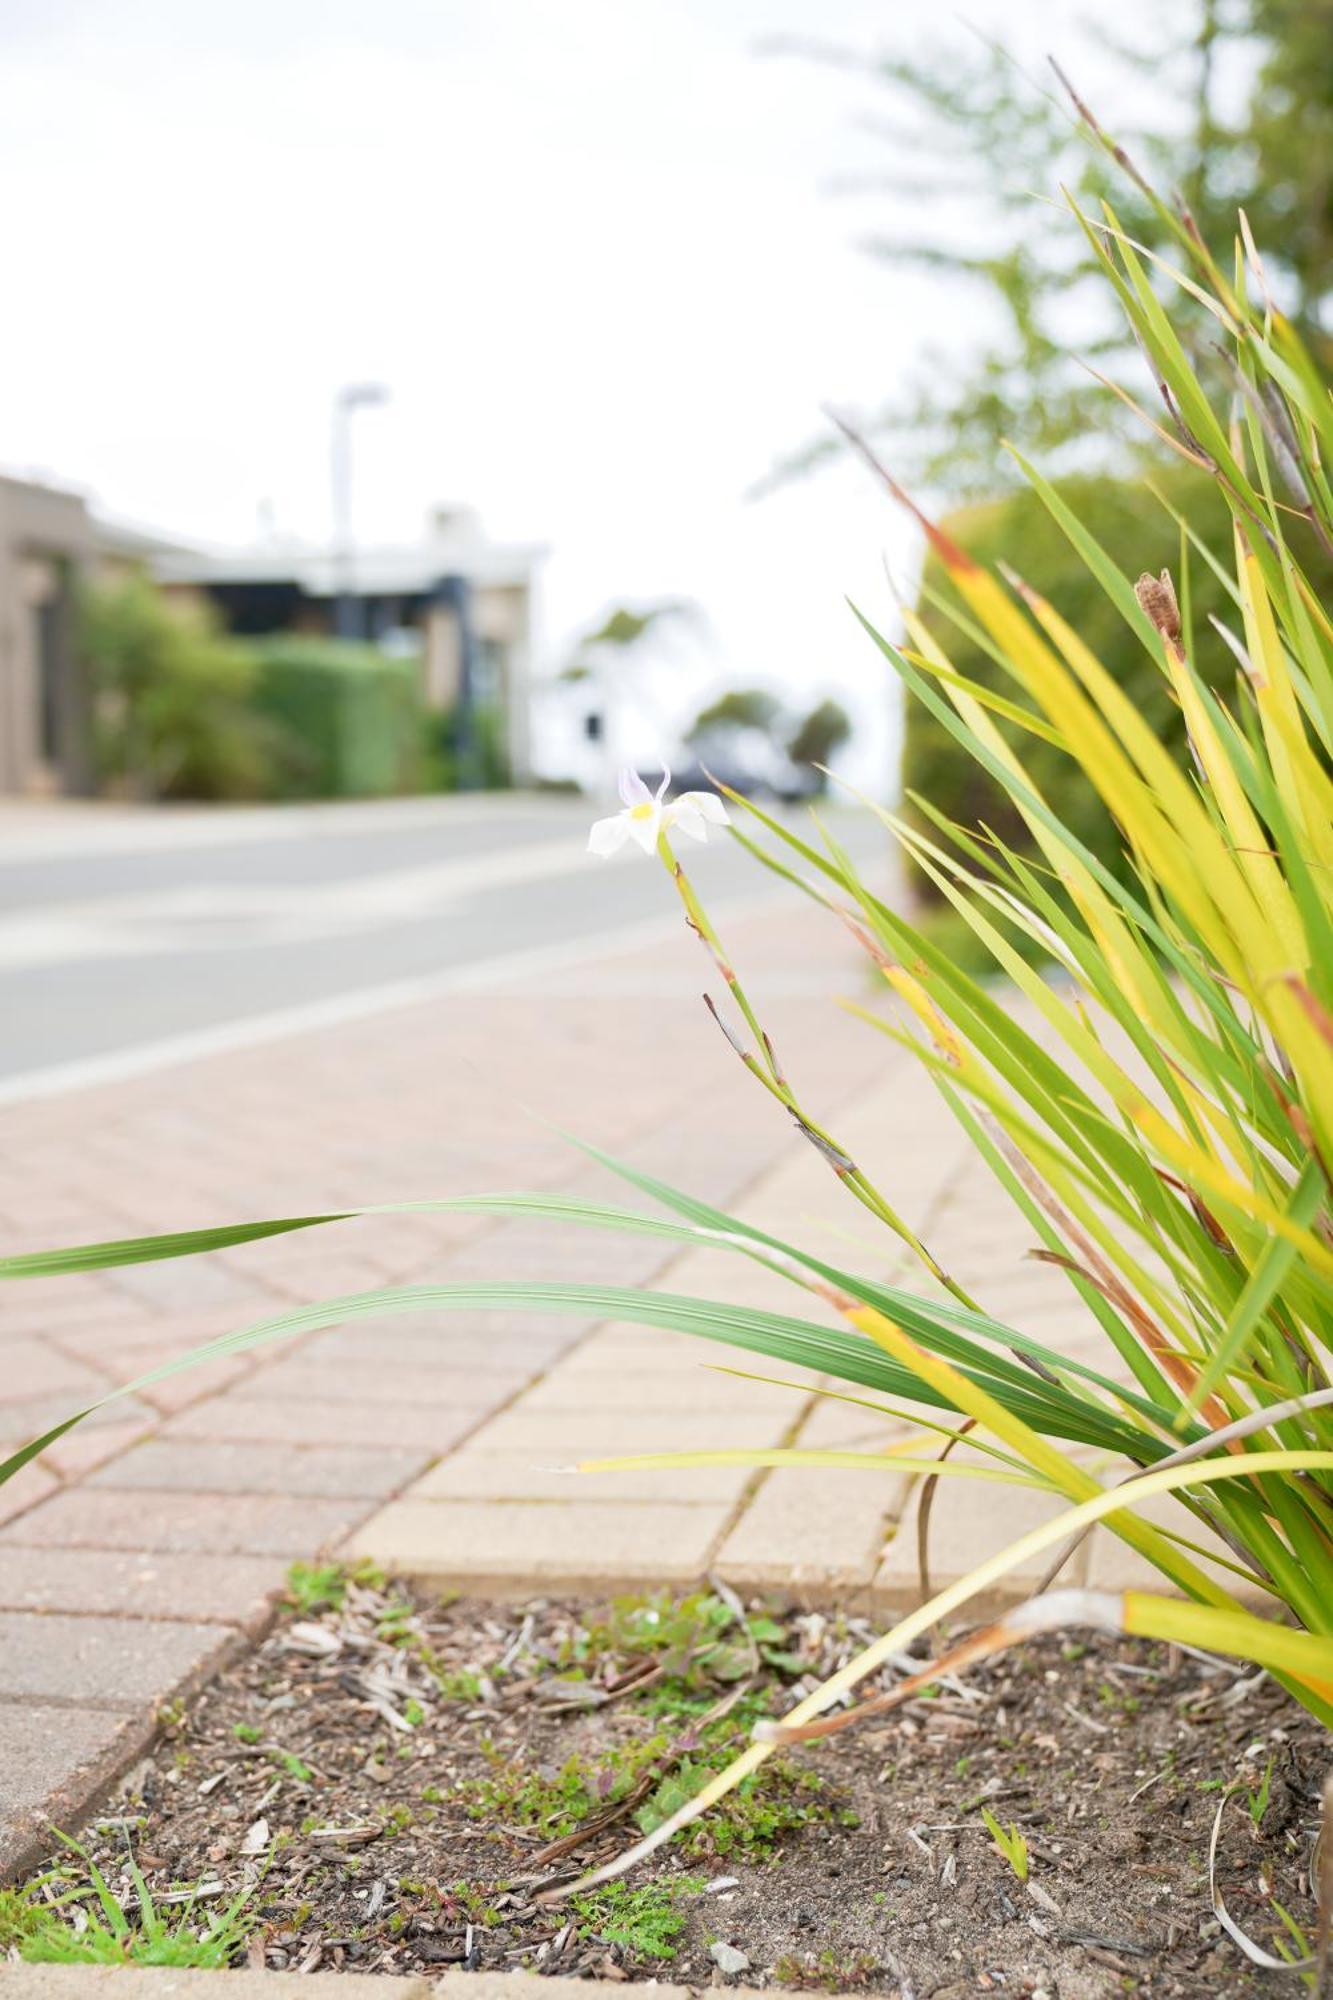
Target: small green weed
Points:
(828, 1973)
(1257, 1801)
(317, 1586)
(467, 1900)
(644, 1921)
(323, 1586)
(1010, 1845)
(459, 1684)
(1297, 1944)
(696, 1639)
(24, 1918)
(109, 1937)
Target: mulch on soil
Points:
(399, 1779)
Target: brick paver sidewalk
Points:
(148, 1542)
(147, 1545)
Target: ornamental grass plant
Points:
(1168, 1136)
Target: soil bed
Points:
(389, 1773)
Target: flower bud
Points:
(1157, 598)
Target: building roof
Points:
(36, 501)
(453, 545)
(126, 538)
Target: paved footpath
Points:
(146, 1546)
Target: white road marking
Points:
(506, 969)
(227, 916)
(37, 833)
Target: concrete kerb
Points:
(115, 1982)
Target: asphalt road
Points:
(120, 930)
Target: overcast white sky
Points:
(588, 246)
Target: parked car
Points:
(749, 761)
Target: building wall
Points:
(504, 615)
(46, 545)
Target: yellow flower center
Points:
(644, 810)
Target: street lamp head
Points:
(356, 395)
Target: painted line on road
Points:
(280, 1024)
(94, 830)
(237, 916)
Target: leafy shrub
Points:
(172, 697)
(354, 718)
(1136, 522)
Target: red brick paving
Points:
(57, 1763)
(231, 1590)
(99, 1662)
(147, 1540)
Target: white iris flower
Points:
(648, 815)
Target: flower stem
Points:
(773, 1080)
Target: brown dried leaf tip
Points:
(1157, 599)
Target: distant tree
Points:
(971, 146)
(622, 632)
(738, 708)
(808, 740)
(612, 656)
(819, 734)
(1286, 144)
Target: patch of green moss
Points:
(518, 1796)
(645, 1921)
(777, 1800)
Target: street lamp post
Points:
(353, 396)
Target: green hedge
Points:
(353, 718)
(1140, 535)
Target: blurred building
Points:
(50, 542)
(465, 604)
